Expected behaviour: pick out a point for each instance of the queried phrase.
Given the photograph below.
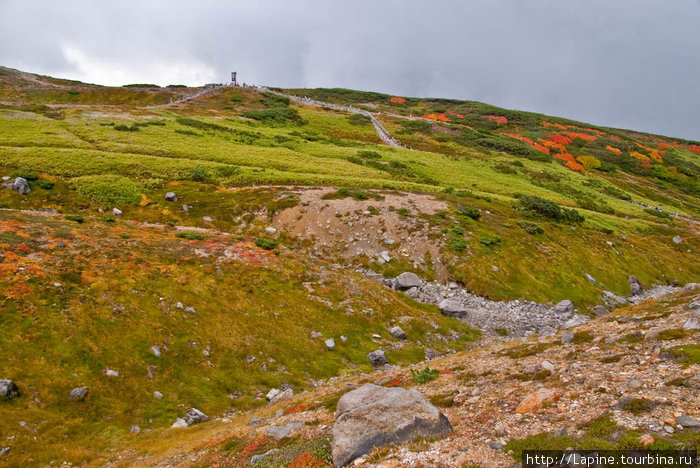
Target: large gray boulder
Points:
(565, 307)
(452, 308)
(21, 186)
(377, 358)
(170, 196)
(79, 393)
(398, 333)
(8, 389)
(194, 416)
(407, 280)
(374, 416)
(635, 286)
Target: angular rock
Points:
(566, 337)
(591, 279)
(270, 230)
(116, 212)
(315, 334)
(377, 358)
(157, 395)
(207, 219)
(194, 416)
(281, 396)
(687, 421)
(330, 344)
(635, 286)
(690, 287)
(536, 400)
(111, 373)
(397, 332)
(79, 393)
(179, 423)
(691, 324)
(272, 393)
(374, 416)
(8, 389)
(600, 310)
(256, 458)
(565, 307)
(280, 432)
(546, 365)
(452, 308)
(407, 280)
(384, 255)
(170, 196)
(21, 186)
(677, 240)
(135, 429)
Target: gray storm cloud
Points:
(623, 63)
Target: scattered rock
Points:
(691, 324)
(179, 422)
(207, 219)
(170, 196)
(155, 350)
(669, 429)
(397, 332)
(634, 384)
(253, 421)
(272, 393)
(4, 450)
(250, 359)
(186, 208)
(315, 334)
(280, 432)
(565, 307)
(330, 344)
(270, 230)
(374, 416)
(194, 416)
(600, 310)
(646, 439)
(407, 280)
(536, 400)
(111, 373)
(134, 429)
(21, 186)
(635, 286)
(116, 212)
(79, 393)
(384, 255)
(377, 358)
(496, 445)
(687, 421)
(677, 240)
(690, 287)
(591, 279)
(694, 305)
(566, 337)
(452, 308)
(256, 458)
(8, 389)
(546, 365)
(157, 395)
(343, 338)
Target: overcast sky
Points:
(624, 63)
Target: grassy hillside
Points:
(531, 205)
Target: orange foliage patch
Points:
(570, 162)
(639, 156)
(561, 139)
(306, 460)
(529, 141)
(296, 409)
(664, 146)
(695, 149)
(617, 151)
(500, 120)
(438, 117)
(555, 125)
(551, 144)
(580, 136)
(653, 153)
(397, 100)
(18, 291)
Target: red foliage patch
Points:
(561, 139)
(455, 114)
(529, 141)
(296, 409)
(397, 100)
(500, 120)
(446, 372)
(570, 162)
(396, 381)
(580, 136)
(438, 117)
(695, 149)
(664, 146)
(254, 446)
(24, 248)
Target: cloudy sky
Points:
(624, 63)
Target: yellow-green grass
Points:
(119, 285)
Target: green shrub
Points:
(191, 235)
(26, 173)
(359, 119)
(108, 189)
(198, 174)
(469, 212)
(490, 240)
(45, 184)
(356, 193)
(457, 244)
(536, 206)
(75, 217)
(501, 331)
(265, 244)
(531, 228)
(276, 116)
(369, 154)
(424, 376)
(274, 100)
(126, 128)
